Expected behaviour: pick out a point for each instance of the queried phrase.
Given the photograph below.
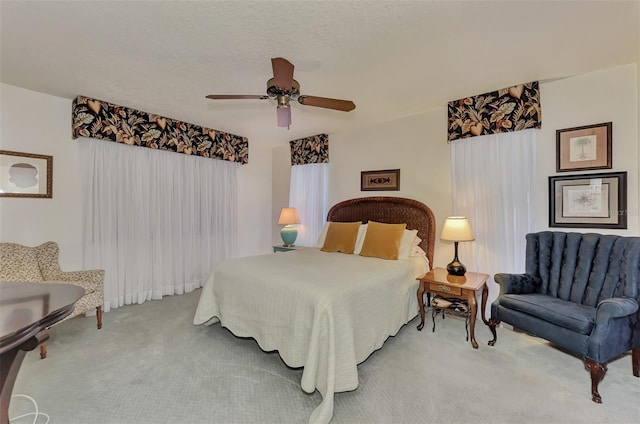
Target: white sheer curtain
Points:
(308, 194)
(493, 185)
(154, 221)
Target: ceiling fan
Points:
(283, 88)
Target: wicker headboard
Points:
(390, 210)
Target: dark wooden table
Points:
(27, 310)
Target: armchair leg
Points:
(99, 316)
(43, 351)
(43, 346)
(635, 361)
(492, 326)
(597, 374)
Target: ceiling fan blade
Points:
(236, 96)
(327, 103)
(282, 73)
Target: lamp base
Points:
(289, 235)
(456, 268)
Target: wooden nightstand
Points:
(439, 282)
(282, 248)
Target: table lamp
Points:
(456, 228)
(288, 216)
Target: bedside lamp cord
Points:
(36, 414)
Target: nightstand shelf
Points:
(455, 306)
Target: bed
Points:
(325, 312)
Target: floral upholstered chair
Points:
(40, 265)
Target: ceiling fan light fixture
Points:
(283, 101)
(283, 88)
(284, 116)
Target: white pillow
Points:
(362, 232)
(407, 243)
(417, 251)
(323, 235)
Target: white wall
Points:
(33, 122)
(38, 123)
(281, 157)
(609, 95)
(254, 203)
(417, 145)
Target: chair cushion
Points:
(19, 263)
(572, 316)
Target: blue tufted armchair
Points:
(580, 292)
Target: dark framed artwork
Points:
(584, 148)
(385, 180)
(588, 200)
(25, 175)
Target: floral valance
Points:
(510, 109)
(97, 119)
(314, 149)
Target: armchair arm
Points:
(612, 332)
(90, 280)
(616, 307)
(517, 283)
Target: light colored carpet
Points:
(149, 364)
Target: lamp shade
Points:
(288, 216)
(457, 228)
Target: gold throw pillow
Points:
(383, 240)
(341, 237)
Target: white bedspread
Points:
(326, 312)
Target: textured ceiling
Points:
(392, 58)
